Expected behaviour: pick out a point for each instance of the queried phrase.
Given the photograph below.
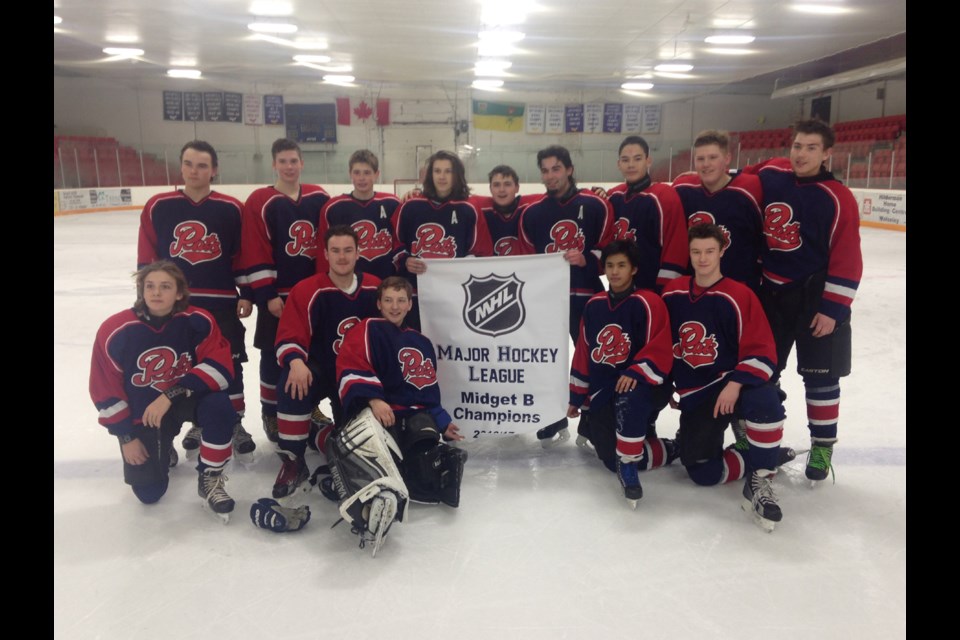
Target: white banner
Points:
(499, 327)
(536, 118)
(593, 117)
(886, 206)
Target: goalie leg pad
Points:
(361, 457)
(434, 475)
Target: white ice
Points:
(543, 545)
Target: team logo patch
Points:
(705, 217)
(342, 328)
(303, 240)
(695, 348)
(509, 246)
(622, 230)
(613, 346)
(432, 242)
(493, 305)
(781, 232)
(160, 368)
(565, 234)
(373, 243)
(192, 243)
(416, 369)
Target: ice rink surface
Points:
(543, 545)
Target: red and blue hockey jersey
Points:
(371, 219)
(736, 209)
(202, 238)
(578, 220)
(811, 225)
(280, 239)
(318, 315)
(134, 362)
(628, 337)
(651, 215)
(393, 364)
(504, 223)
(720, 334)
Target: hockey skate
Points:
(820, 460)
(553, 435)
(317, 422)
(292, 477)
(191, 442)
(243, 444)
(270, 428)
(673, 449)
(760, 500)
(786, 455)
(629, 474)
(210, 487)
(382, 512)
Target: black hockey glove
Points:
(267, 513)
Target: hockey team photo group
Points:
(394, 332)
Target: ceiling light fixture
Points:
(821, 9)
(729, 39)
(308, 57)
(338, 79)
(57, 19)
(672, 67)
(487, 83)
(193, 74)
(303, 44)
(670, 74)
(637, 86)
(727, 51)
(501, 35)
(123, 52)
(491, 67)
(272, 27)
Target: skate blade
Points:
(224, 518)
(584, 444)
(760, 521)
(191, 454)
(632, 503)
(562, 436)
(246, 459)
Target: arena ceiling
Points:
(568, 45)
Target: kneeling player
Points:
(155, 366)
(390, 396)
(622, 360)
(724, 356)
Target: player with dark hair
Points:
(501, 208)
(576, 223)
(442, 223)
(155, 366)
(318, 313)
(650, 214)
(711, 194)
(812, 267)
(368, 212)
(391, 399)
(279, 250)
(199, 230)
(724, 357)
(622, 360)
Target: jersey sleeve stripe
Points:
(114, 411)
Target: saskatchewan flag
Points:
(498, 116)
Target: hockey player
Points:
(279, 250)
(622, 360)
(651, 215)
(155, 366)
(318, 313)
(442, 223)
(368, 212)
(724, 356)
(199, 230)
(811, 270)
(711, 194)
(576, 223)
(501, 210)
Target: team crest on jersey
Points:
(160, 368)
(432, 242)
(493, 304)
(781, 232)
(509, 246)
(695, 348)
(416, 369)
(705, 217)
(303, 240)
(613, 346)
(373, 243)
(622, 230)
(192, 243)
(565, 234)
(345, 325)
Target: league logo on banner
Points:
(493, 306)
(502, 343)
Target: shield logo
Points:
(493, 304)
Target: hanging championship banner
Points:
(499, 327)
